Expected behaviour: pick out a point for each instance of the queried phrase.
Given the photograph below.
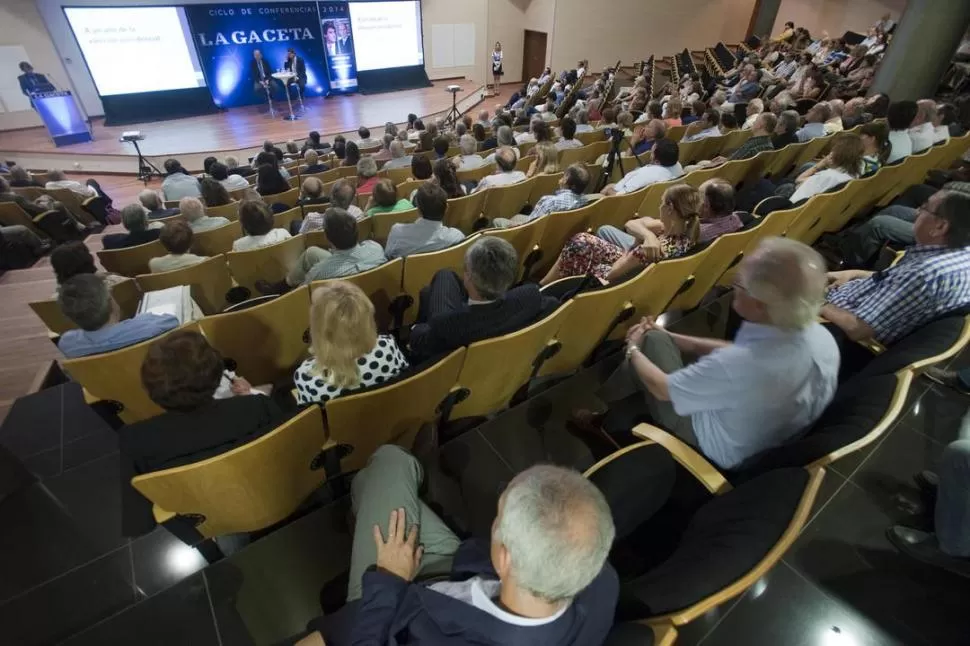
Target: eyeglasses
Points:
(923, 207)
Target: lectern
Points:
(62, 116)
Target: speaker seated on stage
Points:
(262, 74)
(297, 65)
(31, 82)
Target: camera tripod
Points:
(614, 157)
(146, 169)
(453, 116)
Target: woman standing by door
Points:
(497, 66)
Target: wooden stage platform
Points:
(237, 130)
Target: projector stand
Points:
(146, 169)
(454, 116)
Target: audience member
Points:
(206, 414)
(739, 398)
(384, 153)
(312, 193)
(194, 213)
(427, 233)
(814, 122)
(505, 174)
(901, 115)
(20, 178)
(922, 132)
(760, 139)
(568, 128)
(441, 145)
(729, 123)
(838, 167)
(399, 157)
(421, 167)
(365, 139)
(213, 193)
(582, 121)
(176, 237)
(469, 158)
(269, 158)
(135, 220)
(572, 186)
(754, 108)
(931, 280)
(86, 301)
(383, 199)
(347, 352)
(351, 155)
(178, 183)
(504, 139)
(447, 179)
(708, 126)
(73, 259)
(312, 159)
(257, 225)
(665, 167)
(313, 142)
(546, 161)
(220, 173)
(584, 253)
(875, 144)
(154, 205)
(455, 312)
(853, 113)
(785, 130)
(366, 175)
(544, 580)
(269, 182)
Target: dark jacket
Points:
(33, 82)
(29, 207)
(395, 612)
(175, 439)
(243, 171)
(254, 66)
(123, 240)
(316, 168)
(25, 183)
(162, 213)
(782, 140)
(465, 324)
(299, 68)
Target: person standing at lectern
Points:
(262, 74)
(296, 65)
(31, 82)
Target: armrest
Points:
(89, 398)
(688, 458)
(162, 515)
(664, 634)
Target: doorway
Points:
(533, 55)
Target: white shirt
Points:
(584, 127)
(207, 222)
(902, 145)
(500, 179)
(647, 175)
(759, 392)
(922, 136)
(491, 158)
(248, 243)
(819, 183)
(704, 134)
(524, 137)
(75, 187)
(941, 134)
(471, 162)
(234, 182)
(479, 593)
(564, 144)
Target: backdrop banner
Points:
(227, 35)
(338, 46)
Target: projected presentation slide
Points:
(386, 34)
(136, 49)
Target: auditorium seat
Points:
(475, 174)
(559, 228)
(860, 413)
(722, 254)
(269, 263)
(929, 345)
(591, 318)
(406, 403)
(398, 175)
(229, 211)
(210, 280)
(125, 293)
(494, 369)
(420, 268)
(284, 219)
(680, 561)
(266, 341)
(214, 242)
(506, 201)
(525, 238)
(576, 155)
(404, 189)
(249, 488)
(115, 378)
(658, 284)
(588, 138)
(637, 634)
(131, 261)
(288, 198)
(89, 210)
(465, 213)
(381, 284)
(12, 215)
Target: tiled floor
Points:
(67, 576)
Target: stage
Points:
(239, 131)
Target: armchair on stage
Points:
(65, 122)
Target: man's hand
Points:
(839, 278)
(400, 555)
(240, 386)
(635, 334)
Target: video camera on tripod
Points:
(616, 136)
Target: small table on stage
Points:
(285, 78)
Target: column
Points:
(928, 33)
(763, 18)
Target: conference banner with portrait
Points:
(241, 47)
(338, 46)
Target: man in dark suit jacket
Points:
(31, 82)
(345, 42)
(455, 312)
(262, 74)
(297, 65)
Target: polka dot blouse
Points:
(382, 363)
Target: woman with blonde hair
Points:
(674, 110)
(585, 253)
(547, 160)
(347, 351)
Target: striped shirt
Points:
(562, 200)
(930, 281)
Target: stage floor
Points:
(247, 127)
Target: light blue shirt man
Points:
(81, 343)
(757, 393)
(810, 131)
(420, 236)
(179, 185)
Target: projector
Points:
(131, 135)
(454, 89)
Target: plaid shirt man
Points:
(562, 200)
(752, 147)
(930, 281)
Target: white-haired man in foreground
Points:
(543, 580)
(740, 398)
